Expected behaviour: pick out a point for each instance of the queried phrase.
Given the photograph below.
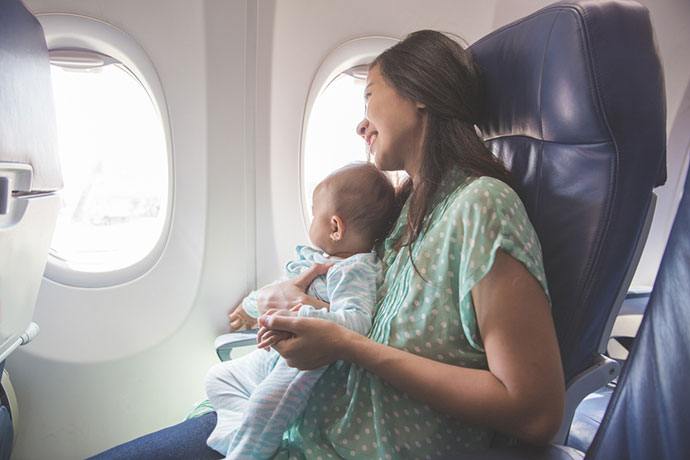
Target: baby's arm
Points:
(352, 289)
(245, 314)
(303, 268)
(240, 320)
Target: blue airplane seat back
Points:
(649, 413)
(29, 172)
(576, 109)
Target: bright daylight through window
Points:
(114, 159)
(331, 140)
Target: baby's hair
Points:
(364, 198)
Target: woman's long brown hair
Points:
(430, 68)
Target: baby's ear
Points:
(337, 228)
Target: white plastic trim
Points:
(360, 51)
(75, 31)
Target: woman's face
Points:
(393, 127)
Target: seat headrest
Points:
(582, 72)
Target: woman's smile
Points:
(370, 141)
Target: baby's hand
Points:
(268, 337)
(240, 320)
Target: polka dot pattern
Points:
(352, 413)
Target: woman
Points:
(463, 346)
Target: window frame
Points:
(71, 31)
(353, 53)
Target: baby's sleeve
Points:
(249, 305)
(293, 268)
(490, 216)
(352, 286)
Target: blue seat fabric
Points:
(649, 413)
(575, 107)
(587, 419)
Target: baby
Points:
(258, 396)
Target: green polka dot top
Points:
(354, 414)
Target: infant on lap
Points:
(258, 396)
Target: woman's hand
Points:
(312, 343)
(266, 338)
(282, 296)
(240, 320)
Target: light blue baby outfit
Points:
(258, 396)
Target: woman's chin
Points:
(381, 163)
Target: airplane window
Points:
(331, 141)
(114, 158)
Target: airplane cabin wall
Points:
(113, 363)
(236, 76)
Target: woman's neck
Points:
(413, 165)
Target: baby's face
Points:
(322, 225)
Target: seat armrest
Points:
(226, 342)
(591, 379)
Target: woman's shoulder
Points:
(484, 191)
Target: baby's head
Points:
(354, 208)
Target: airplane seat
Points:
(575, 107)
(590, 412)
(29, 179)
(649, 412)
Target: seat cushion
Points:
(587, 419)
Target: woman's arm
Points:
(522, 393)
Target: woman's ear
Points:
(337, 228)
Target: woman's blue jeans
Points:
(184, 441)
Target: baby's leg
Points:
(272, 407)
(229, 386)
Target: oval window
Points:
(113, 151)
(335, 105)
(331, 141)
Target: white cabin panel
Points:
(113, 363)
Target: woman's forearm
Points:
(474, 395)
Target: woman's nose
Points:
(362, 127)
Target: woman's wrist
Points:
(350, 344)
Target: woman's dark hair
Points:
(430, 68)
